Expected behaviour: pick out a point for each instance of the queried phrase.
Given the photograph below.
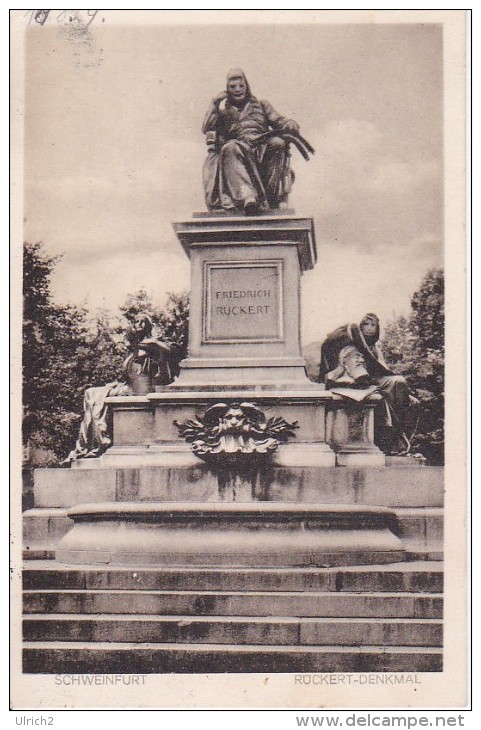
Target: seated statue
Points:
(150, 362)
(247, 168)
(351, 356)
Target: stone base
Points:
(300, 455)
(162, 455)
(254, 535)
(350, 431)
(181, 455)
(245, 299)
(420, 529)
(415, 494)
(273, 372)
(145, 431)
(414, 487)
(359, 455)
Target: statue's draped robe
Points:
(393, 387)
(95, 430)
(236, 169)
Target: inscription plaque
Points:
(243, 302)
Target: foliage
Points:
(59, 342)
(170, 322)
(174, 320)
(414, 347)
(139, 303)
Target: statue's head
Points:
(237, 86)
(350, 371)
(143, 326)
(234, 419)
(353, 362)
(369, 327)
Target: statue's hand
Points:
(210, 140)
(291, 126)
(220, 98)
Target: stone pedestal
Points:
(145, 432)
(350, 431)
(244, 327)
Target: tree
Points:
(139, 303)
(64, 352)
(414, 347)
(41, 372)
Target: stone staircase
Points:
(80, 619)
(105, 610)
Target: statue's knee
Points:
(230, 148)
(400, 390)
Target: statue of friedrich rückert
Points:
(247, 167)
(150, 362)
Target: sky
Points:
(113, 153)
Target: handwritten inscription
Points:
(244, 302)
(63, 17)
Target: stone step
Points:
(43, 528)
(416, 553)
(38, 554)
(421, 528)
(415, 577)
(222, 603)
(153, 658)
(405, 577)
(232, 630)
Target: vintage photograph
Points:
(238, 450)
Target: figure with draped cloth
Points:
(398, 402)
